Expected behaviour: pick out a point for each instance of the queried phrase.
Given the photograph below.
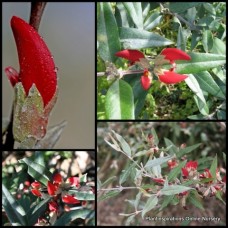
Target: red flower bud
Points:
(36, 185)
(70, 199)
(53, 206)
(146, 79)
(36, 192)
(74, 181)
(57, 178)
(158, 180)
(36, 62)
(51, 188)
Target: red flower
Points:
(36, 185)
(172, 54)
(190, 167)
(146, 79)
(172, 164)
(70, 199)
(36, 192)
(51, 188)
(57, 178)
(53, 206)
(158, 180)
(36, 62)
(206, 174)
(74, 181)
(132, 55)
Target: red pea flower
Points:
(51, 188)
(190, 167)
(70, 199)
(206, 174)
(36, 185)
(74, 181)
(146, 79)
(158, 180)
(57, 178)
(169, 76)
(53, 206)
(132, 55)
(36, 62)
(36, 192)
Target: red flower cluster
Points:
(189, 169)
(57, 187)
(165, 76)
(36, 62)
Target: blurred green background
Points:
(68, 29)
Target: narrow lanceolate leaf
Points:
(83, 195)
(187, 150)
(157, 161)
(73, 215)
(150, 204)
(124, 145)
(174, 189)
(119, 103)
(14, 211)
(133, 38)
(214, 167)
(137, 200)
(107, 32)
(200, 62)
(194, 198)
(176, 171)
(37, 171)
(208, 84)
(109, 195)
(126, 173)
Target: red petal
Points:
(12, 75)
(184, 172)
(51, 188)
(192, 164)
(146, 82)
(70, 199)
(132, 55)
(36, 185)
(36, 62)
(173, 54)
(36, 192)
(57, 178)
(170, 77)
(74, 181)
(53, 206)
(158, 180)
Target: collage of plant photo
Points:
(113, 114)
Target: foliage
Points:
(163, 175)
(198, 28)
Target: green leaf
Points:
(83, 195)
(155, 137)
(174, 189)
(134, 10)
(178, 7)
(119, 101)
(219, 47)
(68, 217)
(150, 204)
(123, 19)
(173, 149)
(167, 200)
(208, 84)
(175, 171)
(187, 150)
(157, 161)
(200, 62)
(107, 33)
(124, 145)
(213, 167)
(37, 171)
(83, 178)
(218, 195)
(126, 173)
(202, 106)
(133, 38)
(137, 200)
(209, 7)
(109, 194)
(207, 40)
(109, 180)
(129, 220)
(36, 211)
(194, 198)
(153, 20)
(14, 211)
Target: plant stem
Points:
(118, 188)
(122, 73)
